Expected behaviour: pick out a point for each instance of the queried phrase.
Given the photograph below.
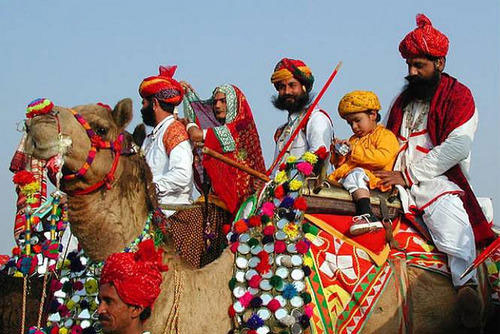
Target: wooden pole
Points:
(235, 164)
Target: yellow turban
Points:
(358, 101)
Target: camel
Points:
(193, 301)
(107, 221)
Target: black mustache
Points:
(103, 317)
(414, 79)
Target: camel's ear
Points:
(122, 114)
(139, 134)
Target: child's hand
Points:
(340, 141)
(341, 147)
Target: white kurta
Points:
(318, 132)
(430, 191)
(173, 174)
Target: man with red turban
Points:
(435, 119)
(167, 148)
(293, 80)
(128, 288)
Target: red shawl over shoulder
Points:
(451, 106)
(231, 184)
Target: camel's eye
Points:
(101, 131)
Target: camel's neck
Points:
(107, 221)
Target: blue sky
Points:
(89, 51)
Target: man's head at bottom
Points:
(115, 315)
(129, 285)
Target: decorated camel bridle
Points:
(96, 143)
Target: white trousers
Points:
(451, 232)
(356, 179)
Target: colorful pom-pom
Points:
(23, 178)
(305, 168)
(253, 242)
(289, 291)
(256, 302)
(226, 228)
(295, 185)
(308, 310)
(279, 192)
(240, 226)
(234, 237)
(255, 221)
(232, 283)
(302, 246)
(276, 281)
(255, 281)
(245, 299)
(322, 153)
(231, 311)
(287, 202)
(273, 305)
(306, 270)
(306, 297)
(268, 209)
(300, 203)
(268, 230)
(39, 107)
(279, 246)
(234, 246)
(267, 239)
(254, 322)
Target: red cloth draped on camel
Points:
(237, 139)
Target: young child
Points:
(372, 147)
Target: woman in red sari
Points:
(225, 124)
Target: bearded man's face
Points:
(292, 96)
(423, 77)
(147, 113)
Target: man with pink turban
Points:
(435, 120)
(129, 286)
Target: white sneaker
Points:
(364, 223)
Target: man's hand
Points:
(186, 86)
(390, 178)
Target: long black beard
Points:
(421, 89)
(298, 103)
(148, 116)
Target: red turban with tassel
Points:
(163, 86)
(425, 40)
(136, 276)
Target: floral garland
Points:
(268, 284)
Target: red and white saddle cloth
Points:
(350, 274)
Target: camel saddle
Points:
(333, 199)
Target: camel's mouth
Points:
(44, 140)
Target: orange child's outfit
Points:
(374, 151)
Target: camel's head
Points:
(61, 132)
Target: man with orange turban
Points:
(167, 148)
(293, 80)
(128, 288)
(435, 119)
